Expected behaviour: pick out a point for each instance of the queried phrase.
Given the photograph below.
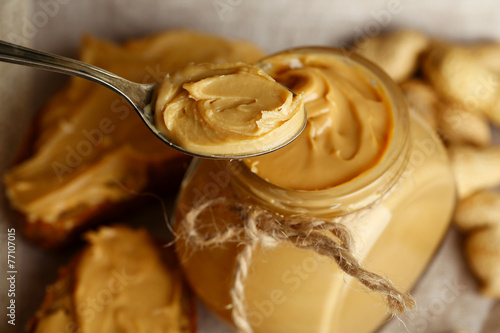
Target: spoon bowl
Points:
(140, 96)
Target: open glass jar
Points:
(396, 211)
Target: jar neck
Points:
(340, 200)
(358, 193)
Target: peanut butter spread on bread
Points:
(119, 283)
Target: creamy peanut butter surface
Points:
(227, 109)
(349, 123)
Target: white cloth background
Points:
(446, 295)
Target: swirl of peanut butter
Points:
(348, 128)
(227, 109)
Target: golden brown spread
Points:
(348, 127)
(121, 284)
(91, 148)
(227, 109)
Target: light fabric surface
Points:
(446, 295)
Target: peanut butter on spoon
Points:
(232, 110)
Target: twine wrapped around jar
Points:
(327, 237)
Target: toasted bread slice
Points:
(121, 282)
(90, 154)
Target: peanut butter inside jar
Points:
(362, 162)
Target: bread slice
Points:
(121, 282)
(89, 154)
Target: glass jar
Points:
(400, 210)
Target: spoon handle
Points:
(135, 93)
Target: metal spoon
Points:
(137, 94)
